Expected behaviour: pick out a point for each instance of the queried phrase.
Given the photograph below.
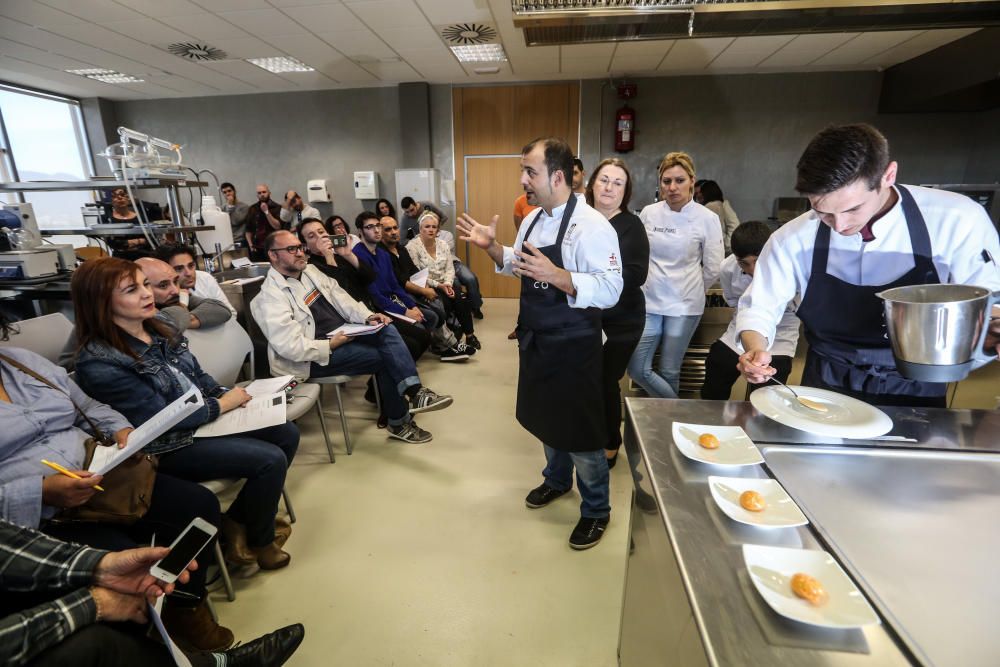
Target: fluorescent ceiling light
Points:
(279, 64)
(105, 75)
(479, 53)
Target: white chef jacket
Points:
(208, 287)
(964, 245)
(734, 283)
(685, 252)
(590, 253)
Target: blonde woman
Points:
(429, 252)
(685, 254)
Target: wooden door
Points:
(492, 184)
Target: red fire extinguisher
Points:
(625, 129)
(625, 119)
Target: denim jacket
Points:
(140, 388)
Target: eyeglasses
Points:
(291, 250)
(370, 227)
(607, 181)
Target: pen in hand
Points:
(58, 468)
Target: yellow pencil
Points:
(60, 469)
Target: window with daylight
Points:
(44, 140)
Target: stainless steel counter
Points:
(689, 554)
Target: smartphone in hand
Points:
(183, 550)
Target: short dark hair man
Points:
(579, 177)
(409, 225)
(568, 260)
(887, 235)
(237, 211)
(299, 306)
(735, 275)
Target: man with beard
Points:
(263, 218)
(181, 308)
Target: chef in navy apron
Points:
(864, 235)
(568, 261)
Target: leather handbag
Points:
(128, 486)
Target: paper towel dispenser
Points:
(317, 191)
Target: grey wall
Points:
(747, 132)
(283, 139)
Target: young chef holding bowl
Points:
(887, 235)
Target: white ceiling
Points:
(353, 43)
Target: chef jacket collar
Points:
(557, 212)
(867, 232)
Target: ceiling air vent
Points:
(464, 34)
(197, 52)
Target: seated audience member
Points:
(138, 364)
(356, 278)
(263, 218)
(464, 275)
(385, 208)
(710, 196)
(429, 252)
(409, 225)
(89, 606)
(736, 276)
(426, 298)
(184, 310)
(121, 212)
(299, 305)
(237, 211)
(45, 424)
(336, 225)
(295, 210)
(182, 258)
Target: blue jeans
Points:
(592, 478)
(260, 457)
(672, 335)
(467, 279)
(384, 354)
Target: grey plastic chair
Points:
(46, 336)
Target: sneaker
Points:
(478, 314)
(465, 349)
(542, 496)
(473, 342)
(410, 432)
(427, 400)
(588, 532)
(452, 354)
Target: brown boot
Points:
(195, 629)
(282, 531)
(271, 557)
(237, 550)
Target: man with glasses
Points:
(263, 218)
(237, 211)
(299, 307)
(179, 306)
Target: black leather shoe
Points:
(271, 650)
(542, 496)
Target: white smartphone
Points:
(183, 550)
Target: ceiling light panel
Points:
(479, 53)
(281, 64)
(105, 75)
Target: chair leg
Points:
(322, 425)
(224, 571)
(343, 420)
(288, 506)
(211, 608)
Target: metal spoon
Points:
(807, 402)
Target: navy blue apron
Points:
(849, 349)
(559, 395)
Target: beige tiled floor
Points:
(426, 555)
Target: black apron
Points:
(849, 349)
(559, 396)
